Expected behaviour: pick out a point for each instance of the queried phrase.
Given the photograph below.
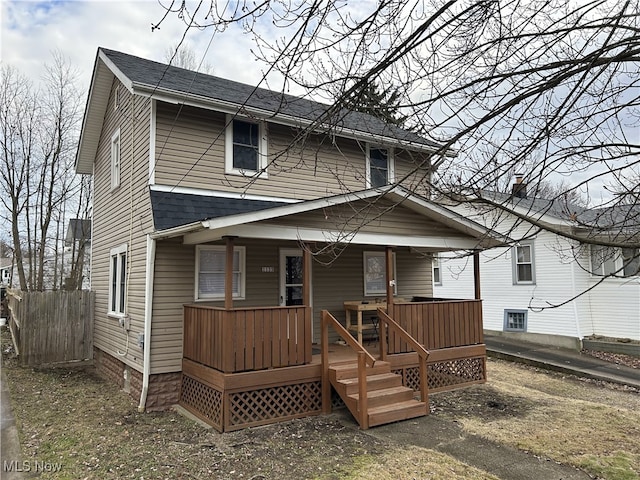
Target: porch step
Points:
(387, 399)
(396, 412)
(386, 396)
(374, 382)
(340, 371)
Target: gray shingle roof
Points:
(175, 209)
(623, 218)
(152, 74)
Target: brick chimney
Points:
(519, 188)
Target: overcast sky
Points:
(31, 30)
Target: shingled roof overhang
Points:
(179, 86)
(254, 223)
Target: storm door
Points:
(291, 277)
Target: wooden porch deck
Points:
(232, 400)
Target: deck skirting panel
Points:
(230, 402)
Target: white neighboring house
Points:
(6, 267)
(595, 289)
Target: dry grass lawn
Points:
(94, 431)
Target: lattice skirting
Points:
(446, 375)
(252, 407)
(203, 401)
(274, 404)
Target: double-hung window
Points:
(380, 168)
(118, 280)
(115, 160)
(375, 273)
(523, 264)
(210, 272)
(245, 147)
(612, 261)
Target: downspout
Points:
(575, 300)
(148, 314)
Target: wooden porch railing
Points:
(245, 339)
(437, 324)
(389, 326)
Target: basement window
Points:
(515, 320)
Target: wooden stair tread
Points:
(371, 379)
(396, 412)
(383, 392)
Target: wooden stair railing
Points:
(423, 353)
(364, 359)
(371, 392)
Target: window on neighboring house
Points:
(437, 274)
(210, 272)
(245, 147)
(614, 261)
(118, 280)
(115, 160)
(515, 320)
(523, 263)
(631, 261)
(379, 167)
(375, 273)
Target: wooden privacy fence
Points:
(243, 339)
(51, 327)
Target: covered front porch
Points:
(266, 336)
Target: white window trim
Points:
(618, 264)
(117, 252)
(116, 159)
(436, 262)
(263, 147)
(390, 159)
(243, 273)
(372, 253)
(514, 255)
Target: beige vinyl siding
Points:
(412, 171)
(121, 216)
(342, 279)
(190, 153)
(334, 280)
(377, 216)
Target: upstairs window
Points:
(523, 264)
(118, 280)
(115, 160)
(210, 272)
(379, 167)
(245, 147)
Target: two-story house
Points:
(228, 218)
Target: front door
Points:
(291, 277)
